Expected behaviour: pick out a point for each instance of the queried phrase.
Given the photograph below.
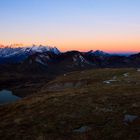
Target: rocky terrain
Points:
(40, 59)
(69, 95)
(97, 104)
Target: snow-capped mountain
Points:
(41, 49)
(10, 51)
(98, 53)
(38, 58)
(80, 59)
(10, 54)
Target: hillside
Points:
(44, 59)
(99, 104)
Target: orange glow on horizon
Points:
(108, 44)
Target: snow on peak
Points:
(41, 49)
(79, 59)
(38, 60)
(11, 51)
(98, 53)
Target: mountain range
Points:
(50, 59)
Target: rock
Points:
(60, 86)
(106, 109)
(82, 129)
(109, 81)
(130, 118)
(18, 120)
(115, 77)
(135, 105)
(68, 85)
(106, 82)
(125, 74)
(41, 137)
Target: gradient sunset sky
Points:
(108, 25)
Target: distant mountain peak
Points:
(8, 51)
(10, 54)
(41, 49)
(98, 53)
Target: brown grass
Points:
(55, 114)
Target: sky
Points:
(108, 25)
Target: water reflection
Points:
(7, 96)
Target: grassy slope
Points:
(58, 110)
(23, 84)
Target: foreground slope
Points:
(94, 104)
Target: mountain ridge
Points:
(50, 59)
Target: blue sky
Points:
(72, 24)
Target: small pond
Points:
(7, 96)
